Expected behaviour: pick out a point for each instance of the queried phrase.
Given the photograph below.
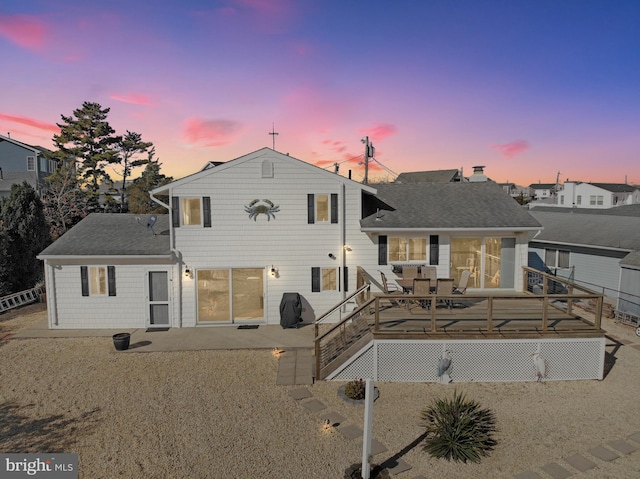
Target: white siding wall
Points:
(287, 242)
(127, 309)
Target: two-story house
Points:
(240, 234)
(20, 162)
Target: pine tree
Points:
(65, 203)
(87, 136)
(24, 233)
(138, 191)
(129, 147)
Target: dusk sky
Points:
(526, 88)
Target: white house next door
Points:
(158, 297)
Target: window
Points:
(554, 258)
(563, 259)
(324, 279)
(579, 200)
(596, 200)
(562, 199)
(322, 208)
(98, 280)
(550, 257)
(407, 249)
(191, 211)
(52, 166)
(267, 169)
(490, 261)
(43, 164)
(31, 163)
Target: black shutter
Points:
(175, 211)
(111, 280)
(382, 250)
(206, 211)
(346, 278)
(315, 279)
(434, 249)
(84, 279)
(311, 218)
(334, 207)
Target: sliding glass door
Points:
(490, 261)
(230, 295)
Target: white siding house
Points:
(597, 195)
(241, 234)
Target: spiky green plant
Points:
(458, 429)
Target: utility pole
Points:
(273, 135)
(369, 151)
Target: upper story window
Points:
(322, 208)
(191, 211)
(31, 163)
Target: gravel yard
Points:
(220, 414)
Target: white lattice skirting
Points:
(505, 360)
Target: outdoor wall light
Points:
(347, 248)
(273, 272)
(188, 273)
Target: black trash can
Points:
(290, 310)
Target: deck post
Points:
(490, 314)
(545, 306)
(598, 316)
(376, 326)
(317, 352)
(570, 300)
(433, 314)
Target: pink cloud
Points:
(211, 132)
(133, 98)
(26, 31)
(510, 150)
(379, 131)
(23, 120)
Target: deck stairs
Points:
(343, 345)
(20, 299)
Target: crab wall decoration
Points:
(262, 207)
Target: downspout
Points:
(51, 295)
(343, 241)
(177, 254)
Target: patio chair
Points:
(389, 288)
(409, 272)
(445, 288)
(430, 272)
(422, 287)
(464, 281)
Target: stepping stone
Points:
(603, 453)
(396, 466)
(314, 405)
(623, 446)
(528, 475)
(334, 418)
(580, 463)
(419, 477)
(556, 471)
(635, 437)
(300, 393)
(376, 447)
(350, 431)
(286, 380)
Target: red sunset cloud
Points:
(510, 150)
(26, 31)
(211, 132)
(23, 120)
(379, 131)
(133, 98)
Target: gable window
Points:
(191, 211)
(31, 163)
(324, 279)
(98, 280)
(407, 249)
(267, 169)
(322, 208)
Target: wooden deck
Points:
(483, 316)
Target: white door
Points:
(158, 312)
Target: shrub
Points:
(355, 389)
(458, 429)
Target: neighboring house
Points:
(593, 247)
(542, 191)
(241, 234)
(516, 191)
(432, 176)
(20, 162)
(629, 300)
(576, 194)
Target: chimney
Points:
(478, 174)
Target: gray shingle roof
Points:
(632, 259)
(576, 227)
(623, 210)
(433, 176)
(448, 206)
(616, 187)
(111, 234)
